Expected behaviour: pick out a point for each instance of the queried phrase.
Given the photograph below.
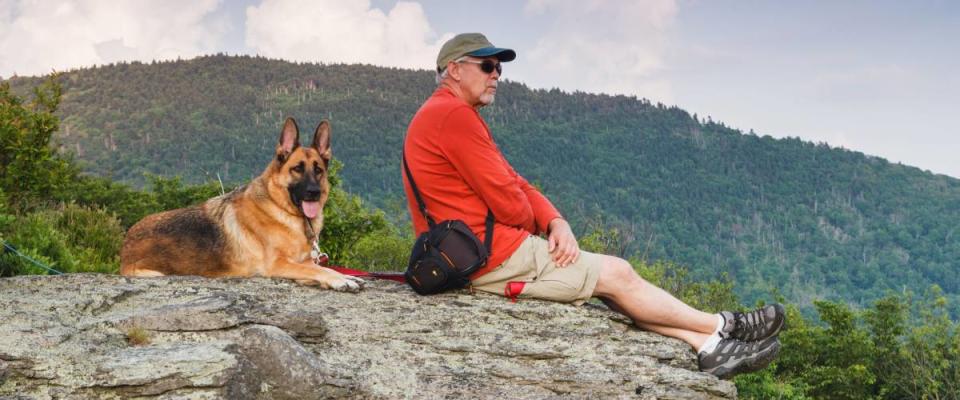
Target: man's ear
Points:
(321, 141)
(453, 70)
(289, 139)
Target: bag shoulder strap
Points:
(488, 237)
(416, 192)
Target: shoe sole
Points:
(756, 364)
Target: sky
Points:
(879, 77)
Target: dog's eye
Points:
(299, 168)
(317, 170)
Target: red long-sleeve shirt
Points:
(460, 172)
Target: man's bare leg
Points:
(650, 307)
(695, 339)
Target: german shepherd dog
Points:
(265, 228)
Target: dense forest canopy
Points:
(783, 216)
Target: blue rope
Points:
(35, 262)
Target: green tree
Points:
(929, 362)
(29, 168)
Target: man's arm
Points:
(562, 244)
(514, 201)
(466, 144)
(543, 209)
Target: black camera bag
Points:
(446, 254)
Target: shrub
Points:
(384, 250)
(67, 237)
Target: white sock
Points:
(711, 344)
(714, 339)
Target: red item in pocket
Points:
(513, 289)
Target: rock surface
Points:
(69, 337)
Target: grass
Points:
(137, 336)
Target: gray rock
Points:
(68, 337)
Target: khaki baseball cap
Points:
(471, 44)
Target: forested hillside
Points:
(786, 216)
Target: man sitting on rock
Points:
(461, 173)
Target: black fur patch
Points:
(195, 226)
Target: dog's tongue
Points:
(310, 208)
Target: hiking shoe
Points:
(732, 357)
(755, 325)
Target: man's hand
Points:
(562, 245)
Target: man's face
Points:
(478, 87)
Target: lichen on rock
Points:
(66, 337)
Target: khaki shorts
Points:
(532, 264)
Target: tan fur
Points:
(255, 230)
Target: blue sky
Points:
(873, 76)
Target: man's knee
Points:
(617, 275)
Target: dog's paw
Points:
(357, 280)
(347, 284)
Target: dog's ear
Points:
(321, 140)
(289, 139)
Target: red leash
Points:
(511, 291)
(392, 276)
(323, 260)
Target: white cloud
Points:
(39, 36)
(601, 46)
(343, 31)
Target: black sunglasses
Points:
(487, 66)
